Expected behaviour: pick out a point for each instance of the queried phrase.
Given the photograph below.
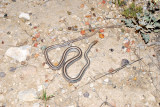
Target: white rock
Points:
(46, 66)
(50, 30)
(40, 88)
(19, 53)
(91, 85)
(24, 16)
(58, 49)
(36, 105)
(106, 80)
(63, 91)
(27, 95)
(80, 93)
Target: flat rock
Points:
(27, 95)
(12, 69)
(124, 62)
(24, 16)
(19, 53)
(86, 94)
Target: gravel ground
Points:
(27, 27)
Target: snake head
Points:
(95, 41)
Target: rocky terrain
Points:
(27, 27)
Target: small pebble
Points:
(91, 85)
(69, 28)
(30, 24)
(24, 16)
(46, 66)
(94, 14)
(69, 13)
(92, 9)
(58, 49)
(111, 50)
(124, 62)
(134, 68)
(63, 91)
(86, 94)
(106, 80)
(23, 63)
(80, 93)
(43, 48)
(123, 47)
(40, 88)
(2, 74)
(114, 86)
(8, 32)
(74, 28)
(5, 15)
(12, 69)
(42, 40)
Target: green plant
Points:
(145, 23)
(119, 2)
(132, 11)
(44, 97)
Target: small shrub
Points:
(131, 11)
(144, 23)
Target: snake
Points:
(66, 64)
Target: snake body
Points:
(64, 65)
(72, 60)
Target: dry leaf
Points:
(36, 55)
(101, 30)
(88, 16)
(36, 44)
(110, 70)
(34, 39)
(55, 63)
(82, 32)
(101, 35)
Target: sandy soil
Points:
(22, 80)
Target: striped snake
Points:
(68, 63)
